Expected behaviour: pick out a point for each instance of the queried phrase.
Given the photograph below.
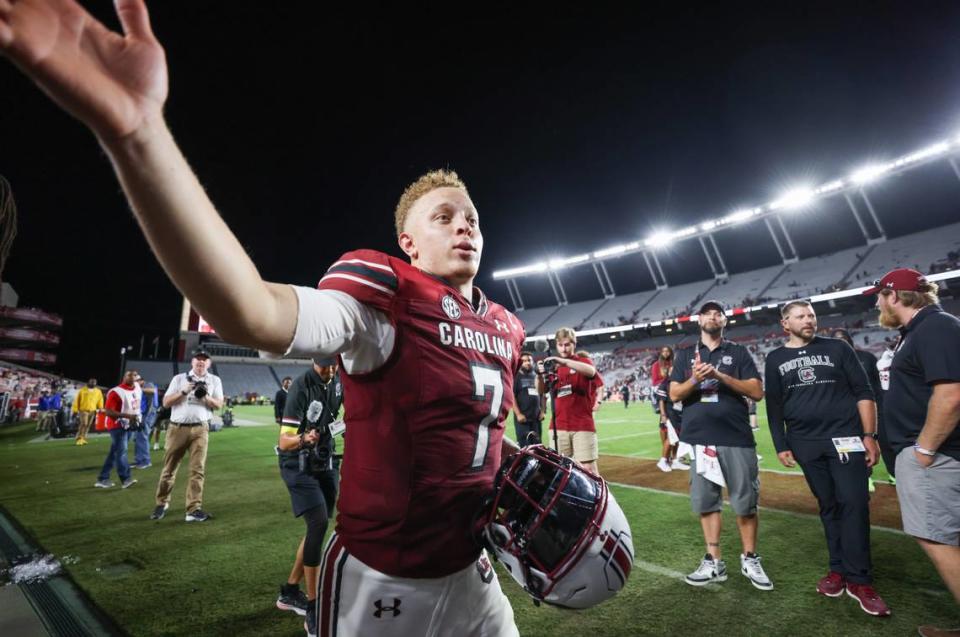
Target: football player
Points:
(428, 360)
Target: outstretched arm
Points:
(116, 85)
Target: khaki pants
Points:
(84, 420)
(579, 445)
(180, 440)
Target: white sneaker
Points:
(679, 464)
(103, 484)
(663, 465)
(710, 570)
(156, 446)
(751, 569)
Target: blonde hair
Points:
(566, 332)
(424, 184)
(926, 295)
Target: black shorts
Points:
(308, 491)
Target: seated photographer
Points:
(573, 382)
(309, 471)
(191, 397)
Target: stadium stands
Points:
(619, 309)
(159, 372)
(920, 251)
(571, 315)
(937, 249)
(243, 378)
(815, 275)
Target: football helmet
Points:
(557, 529)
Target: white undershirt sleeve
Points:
(330, 322)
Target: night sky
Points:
(573, 131)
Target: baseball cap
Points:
(904, 279)
(711, 305)
(325, 362)
(200, 353)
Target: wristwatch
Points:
(872, 434)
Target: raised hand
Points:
(113, 83)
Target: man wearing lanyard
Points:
(820, 405)
(712, 379)
(921, 411)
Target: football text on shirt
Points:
(805, 361)
(460, 336)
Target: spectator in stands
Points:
(150, 402)
(306, 449)
(88, 401)
(280, 399)
(191, 397)
(528, 404)
(573, 385)
(711, 379)
(921, 412)
(122, 408)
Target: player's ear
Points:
(408, 245)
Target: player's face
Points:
(130, 377)
(566, 347)
(712, 322)
(526, 363)
(442, 235)
(801, 322)
(888, 317)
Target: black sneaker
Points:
(198, 515)
(292, 598)
(159, 512)
(310, 623)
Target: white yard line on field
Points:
(656, 569)
(795, 514)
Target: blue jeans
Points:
(117, 456)
(141, 440)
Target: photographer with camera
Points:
(191, 397)
(309, 471)
(573, 382)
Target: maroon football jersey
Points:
(424, 430)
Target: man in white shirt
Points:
(191, 397)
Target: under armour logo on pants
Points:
(395, 609)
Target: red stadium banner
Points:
(28, 356)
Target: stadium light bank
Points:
(792, 200)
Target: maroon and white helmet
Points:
(558, 529)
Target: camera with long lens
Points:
(550, 367)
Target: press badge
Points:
(710, 391)
(337, 427)
(532, 391)
(851, 444)
(566, 390)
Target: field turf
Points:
(222, 577)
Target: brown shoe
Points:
(933, 631)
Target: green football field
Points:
(221, 577)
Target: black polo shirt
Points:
(311, 403)
(928, 351)
(526, 396)
(714, 414)
(812, 391)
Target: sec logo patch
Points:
(450, 307)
